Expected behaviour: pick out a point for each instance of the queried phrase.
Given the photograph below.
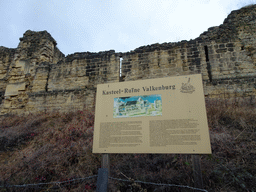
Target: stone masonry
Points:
(36, 76)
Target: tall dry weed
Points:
(58, 147)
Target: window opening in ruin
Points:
(242, 48)
(121, 78)
(120, 72)
(206, 53)
(209, 70)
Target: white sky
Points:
(122, 25)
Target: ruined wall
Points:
(34, 49)
(71, 84)
(224, 55)
(38, 77)
(81, 70)
(6, 57)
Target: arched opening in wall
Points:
(209, 70)
(120, 66)
(206, 53)
(121, 77)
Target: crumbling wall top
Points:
(229, 28)
(89, 55)
(37, 36)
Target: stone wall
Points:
(38, 77)
(81, 70)
(224, 55)
(6, 57)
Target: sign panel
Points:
(165, 115)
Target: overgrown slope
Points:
(49, 147)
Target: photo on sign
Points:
(137, 106)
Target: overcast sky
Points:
(122, 25)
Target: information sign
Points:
(164, 115)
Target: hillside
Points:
(50, 147)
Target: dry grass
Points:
(47, 147)
(57, 146)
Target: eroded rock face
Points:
(37, 76)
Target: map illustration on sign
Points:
(137, 106)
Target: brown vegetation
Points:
(49, 147)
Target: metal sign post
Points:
(103, 174)
(102, 180)
(197, 171)
(105, 162)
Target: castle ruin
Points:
(36, 76)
